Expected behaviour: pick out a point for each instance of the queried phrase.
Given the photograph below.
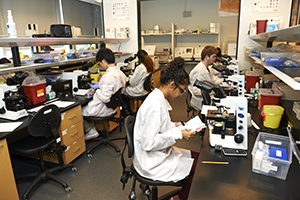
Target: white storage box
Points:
(272, 155)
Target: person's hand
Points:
(220, 76)
(186, 134)
(94, 85)
(178, 124)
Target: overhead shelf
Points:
(22, 42)
(281, 75)
(290, 34)
(52, 64)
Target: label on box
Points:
(40, 93)
(267, 166)
(273, 142)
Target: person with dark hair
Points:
(110, 83)
(203, 72)
(135, 85)
(136, 81)
(4, 61)
(155, 157)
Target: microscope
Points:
(12, 104)
(235, 82)
(228, 117)
(81, 82)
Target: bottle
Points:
(11, 26)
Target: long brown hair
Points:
(146, 60)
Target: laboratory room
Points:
(148, 99)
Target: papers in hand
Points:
(195, 124)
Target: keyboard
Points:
(234, 152)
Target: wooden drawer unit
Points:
(74, 150)
(70, 117)
(8, 188)
(72, 133)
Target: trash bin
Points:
(272, 116)
(35, 89)
(268, 97)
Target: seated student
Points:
(135, 85)
(155, 157)
(203, 72)
(110, 83)
(136, 81)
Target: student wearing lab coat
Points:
(155, 157)
(203, 72)
(135, 85)
(110, 83)
(136, 81)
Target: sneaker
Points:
(93, 133)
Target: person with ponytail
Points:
(135, 85)
(136, 81)
(155, 157)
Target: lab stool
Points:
(104, 139)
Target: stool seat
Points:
(95, 118)
(151, 182)
(103, 140)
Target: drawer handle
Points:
(74, 134)
(1, 146)
(72, 117)
(76, 150)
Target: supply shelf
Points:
(290, 34)
(15, 43)
(281, 75)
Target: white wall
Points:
(246, 16)
(166, 12)
(132, 44)
(44, 13)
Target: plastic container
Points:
(51, 77)
(268, 97)
(49, 56)
(272, 116)
(36, 93)
(272, 155)
(11, 26)
(279, 59)
(251, 80)
(35, 89)
(261, 26)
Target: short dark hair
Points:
(208, 51)
(4, 61)
(106, 54)
(175, 72)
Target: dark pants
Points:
(185, 190)
(126, 109)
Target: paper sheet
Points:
(195, 124)
(10, 126)
(60, 104)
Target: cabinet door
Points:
(8, 189)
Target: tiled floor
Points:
(97, 177)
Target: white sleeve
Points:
(106, 88)
(151, 138)
(137, 76)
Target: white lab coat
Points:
(154, 134)
(201, 73)
(136, 87)
(110, 82)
